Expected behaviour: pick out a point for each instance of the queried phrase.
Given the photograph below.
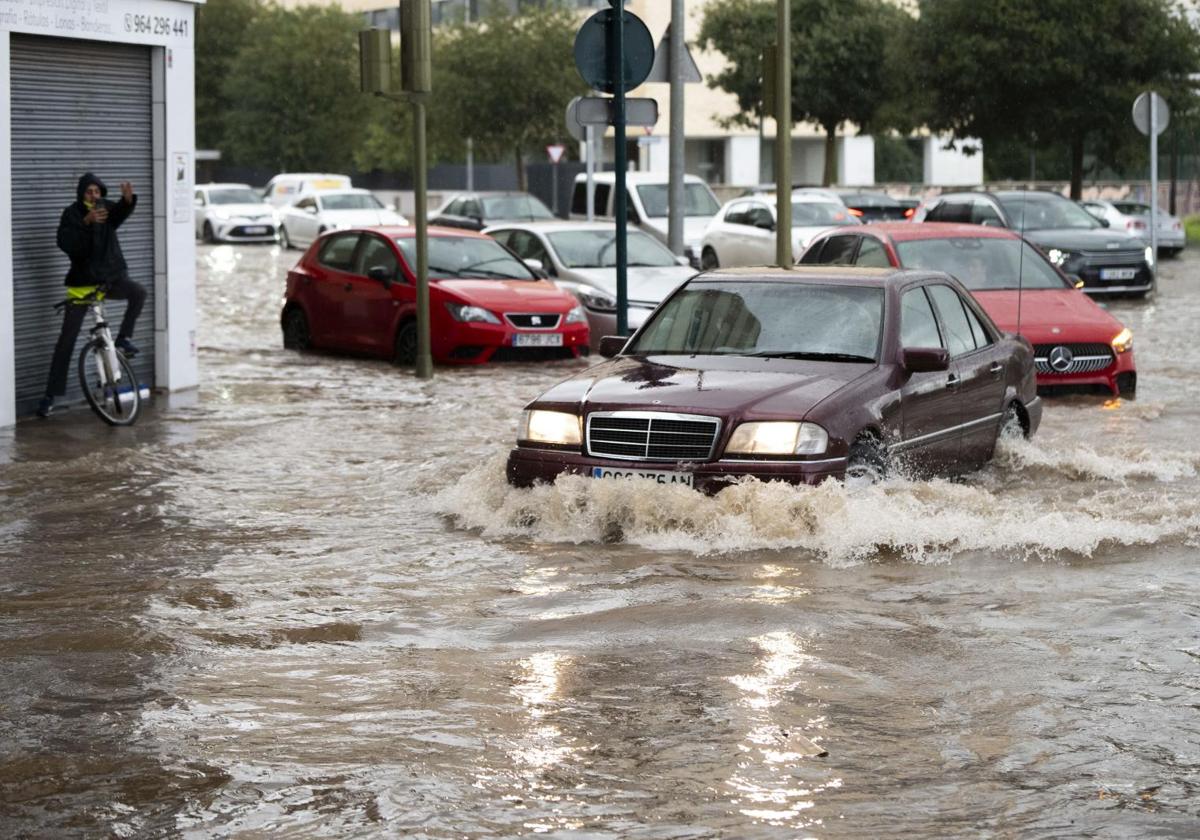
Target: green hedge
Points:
(1191, 224)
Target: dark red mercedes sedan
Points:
(796, 375)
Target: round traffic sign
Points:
(592, 51)
(574, 127)
(1141, 113)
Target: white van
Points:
(286, 187)
(647, 205)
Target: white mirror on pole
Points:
(1151, 115)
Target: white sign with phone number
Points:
(133, 21)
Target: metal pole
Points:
(424, 356)
(675, 150)
(470, 164)
(1154, 181)
(554, 189)
(783, 135)
(590, 134)
(617, 63)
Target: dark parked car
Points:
(796, 375)
(1105, 260)
(475, 211)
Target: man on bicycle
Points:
(87, 233)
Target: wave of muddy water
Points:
(302, 602)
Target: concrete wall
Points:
(951, 167)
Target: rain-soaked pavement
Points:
(303, 603)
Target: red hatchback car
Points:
(355, 290)
(1075, 341)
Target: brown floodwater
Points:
(302, 602)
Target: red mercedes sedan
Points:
(355, 290)
(1075, 341)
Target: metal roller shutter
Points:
(77, 106)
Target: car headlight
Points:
(557, 427)
(576, 315)
(778, 438)
(597, 299)
(1123, 341)
(471, 314)
(218, 216)
(1058, 256)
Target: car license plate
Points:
(661, 477)
(1118, 273)
(537, 340)
(257, 230)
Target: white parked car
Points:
(287, 187)
(581, 258)
(1134, 217)
(233, 213)
(648, 205)
(314, 214)
(743, 232)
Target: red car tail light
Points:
(854, 211)
(1134, 224)
(910, 212)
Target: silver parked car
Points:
(1134, 217)
(314, 214)
(743, 231)
(234, 213)
(581, 257)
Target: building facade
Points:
(105, 86)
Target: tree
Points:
(1048, 71)
(222, 27)
(505, 82)
(293, 91)
(842, 62)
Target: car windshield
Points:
(1030, 211)
(350, 201)
(983, 264)
(598, 249)
(466, 256)
(234, 196)
(768, 319)
(698, 200)
(813, 213)
(869, 200)
(514, 207)
(1130, 208)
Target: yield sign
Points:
(556, 152)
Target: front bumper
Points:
(528, 466)
(239, 230)
(476, 343)
(1108, 377)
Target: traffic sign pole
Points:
(783, 136)
(616, 60)
(675, 152)
(1154, 181)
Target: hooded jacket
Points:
(95, 254)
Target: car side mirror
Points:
(1105, 222)
(310, 210)
(199, 202)
(536, 266)
(612, 345)
(765, 225)
(924, 359)
(381, 274)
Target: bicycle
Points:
(107, 378)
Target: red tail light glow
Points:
(910, 212)
(854, 211)
(1134, 224)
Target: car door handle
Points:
(996, 368)
(952, 382)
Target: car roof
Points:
(557, 225)
(634, 178)
(309, 175)
(853, 275)
(908, 231)
(341, 191)
(408, 231)
(223, 186)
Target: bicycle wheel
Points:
(115, 401)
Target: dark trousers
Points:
(73, 315)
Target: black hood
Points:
(1077, 239)
(85, 180)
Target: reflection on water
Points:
(304, 602)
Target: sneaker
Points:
(127, 347)
(45, 407)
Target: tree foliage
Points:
(1048, 72)
(505, 82)
(841, 61)
(293, 91)
(222, 27)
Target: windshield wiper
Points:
(809, 354)
(444, 271)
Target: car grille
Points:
(1085, 358)
(534, 320)
(242, 230)
(652, 435)
(1092, 262)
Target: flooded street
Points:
(303, 602)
